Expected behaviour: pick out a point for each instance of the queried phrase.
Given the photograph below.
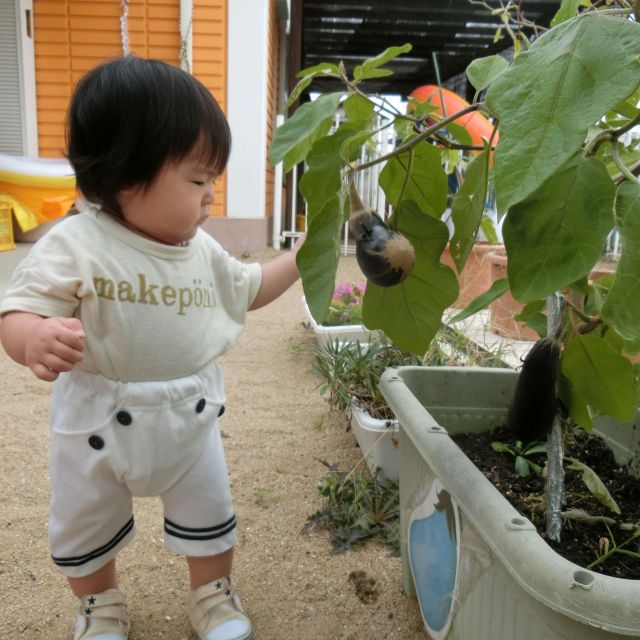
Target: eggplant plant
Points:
(565, 169)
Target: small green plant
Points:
(452, 347)
(357, 507)
(295, 349)
(261, 494)
(608, 547)
(351, 372)
(524, 466)
(523, 463)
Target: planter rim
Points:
(591, 598)
(373, 423)
(333, 328)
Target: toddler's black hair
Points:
(130, 116)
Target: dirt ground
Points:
(276, 425)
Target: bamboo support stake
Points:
(554, 488)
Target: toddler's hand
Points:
(299, 242)
(54, 345)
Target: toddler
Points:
(127, 306)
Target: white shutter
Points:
(18, 116)
(12, 139)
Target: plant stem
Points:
(615, 153)
(619, 177)
(580, 313)
(617, 549)
(419, 138)
(608, 134)
(406, 178)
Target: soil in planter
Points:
(581, 543)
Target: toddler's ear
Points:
(126, 195)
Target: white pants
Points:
(112, 440)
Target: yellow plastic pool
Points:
(38, 189)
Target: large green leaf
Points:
(317, 259)
(357, 107)
(568, 10)
(532, 315)
(308, 75)
(546, 101)
(321, 180)
(622, 306)
(600, 379)
(483, 71)
(594, 484)
(370, 66)
(410, 312)
(555, 236)
(427, 184)
(467, 208)
(301, 128)
(497, 289)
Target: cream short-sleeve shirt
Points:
(150, 311)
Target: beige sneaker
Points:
(102, 616)
(216, 613)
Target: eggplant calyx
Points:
(361, 218)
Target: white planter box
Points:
(378, 441)
(341, 333)
(480, 570)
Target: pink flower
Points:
(349, 294)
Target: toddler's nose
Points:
(209, 195)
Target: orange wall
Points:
(72, 36)
(210, 66)
(272, 98)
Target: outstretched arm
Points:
(47, 346)
(277, 276)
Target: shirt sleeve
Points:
(46, 282)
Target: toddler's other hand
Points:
(54, 345)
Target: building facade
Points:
(235, 48)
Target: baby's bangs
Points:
(214, 136)
(214, 148)
(193, 122)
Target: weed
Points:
(260, 494)
(357, 507)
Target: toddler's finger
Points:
(67, 353)
(71, 339)
(44, 373)
(57, 364)
(74, 325)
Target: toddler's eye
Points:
(200, 183)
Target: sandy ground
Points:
(276, 425)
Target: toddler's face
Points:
(174, 205)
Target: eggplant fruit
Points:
(535, 401)
(385, 256)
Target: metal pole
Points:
(277, 197)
